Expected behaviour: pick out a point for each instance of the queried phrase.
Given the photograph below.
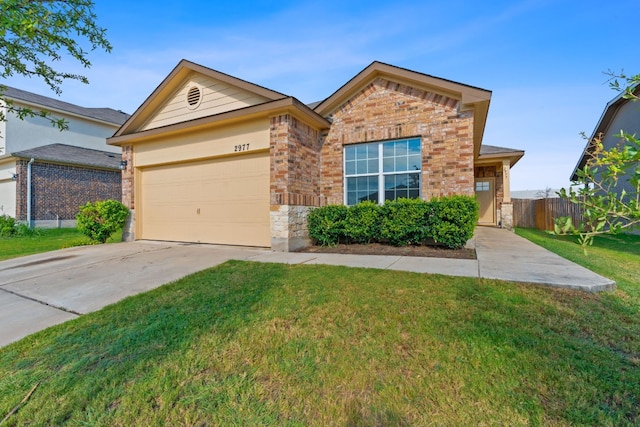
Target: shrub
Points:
(449, 221)
(403, 221)
(452, 220)
(101, 219)
(362, 223)
(7, 226)
(326, 224)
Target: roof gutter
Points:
(29, 223)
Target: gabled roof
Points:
(288, 104)
(107, 115)
(609, 113)
(471, 97)
(174, 79)
(71, 155)
(492, 153)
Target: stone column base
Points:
(289, 228)
(506, 216)
(128, 233)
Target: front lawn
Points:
(613, 256)
(45, 240)
(271, 344)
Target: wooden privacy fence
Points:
(540, 213)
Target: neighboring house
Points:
(620, 114)
(69, 168)
(213, 158)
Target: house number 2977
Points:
(241, 147)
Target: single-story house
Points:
(216, 159)
(68, 168)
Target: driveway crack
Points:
(66, 310)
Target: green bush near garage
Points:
(99, 220)
(447, 221)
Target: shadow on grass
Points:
(102, 352)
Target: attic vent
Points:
(194, 96)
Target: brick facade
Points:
(57, 191)
(295, 179)
(127, 178)
(382, 103)
(386, 110)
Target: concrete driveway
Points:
(42, 290)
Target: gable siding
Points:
(386, 110)
(217, 97)
(626, 119)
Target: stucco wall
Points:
(35, 132)
(7, 189)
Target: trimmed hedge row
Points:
(449, 221)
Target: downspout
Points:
(29, 192)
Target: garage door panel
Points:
(222, 201)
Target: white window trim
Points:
(380, 174)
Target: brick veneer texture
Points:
(128, 197)
(295, 162)
(387, 110)
(59, 190)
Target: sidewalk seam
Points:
(66, 310)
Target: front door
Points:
(486, 194)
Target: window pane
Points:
(365, 188)
(401, 148)
(350, 168)
(414, 180)
(373, 151)
(389, 182)
(350, 153)
(388, 164)
(351, 184)
(401, 164)
(415, 162)
(352, 198)
(361, 166)
(373, 166)
(388, 150)
(361, 152)
(414, 146)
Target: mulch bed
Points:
(380, 249)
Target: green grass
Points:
(614, 256)
(276, 345)
(45, 240)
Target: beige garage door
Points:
(222, 201)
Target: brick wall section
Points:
(295, 162)
(128, 198)
(387, 110)
(59, 190)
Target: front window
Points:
(381, 171)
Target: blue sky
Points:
(544, 60)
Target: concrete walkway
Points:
(42, 290)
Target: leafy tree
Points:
(34, 34)
(608, 208)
